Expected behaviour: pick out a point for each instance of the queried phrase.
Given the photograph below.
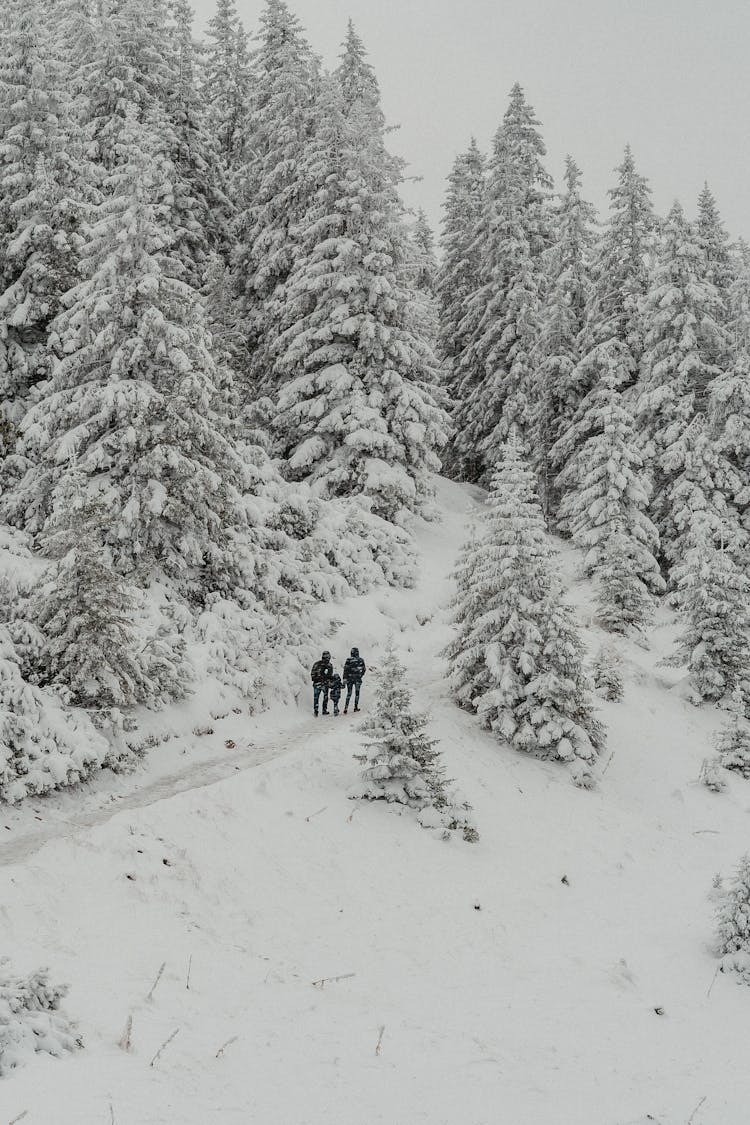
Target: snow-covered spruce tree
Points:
(517, 659)
(225, 87)
(727, 429)
(493, 371)
(458, 274)
(605, 501)
(98, 649)
(402, 764)
(733, 740)
(680, 316)
(200, 210)
(271, 192)
(714, 242)
(42, 745)
(620, 267)
(733, 924)
(714, 598)
(562, 338)
(356, 412)
(30, 1019)
(131, 407)
(606, 674)
(39, 212)
(420, 277)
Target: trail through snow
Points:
(514, 980)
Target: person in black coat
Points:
(321, 675)
(354, 671)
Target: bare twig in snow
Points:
(713, 981)
(379, 1044)
(331, 980)
(166, 1043)
(609, 763)
(158, 978)
(692, 1115)
(705, 831)
(187, 978)
(124, 1043)
(20, 1117)
(111, 1114)
(224, 1046)
(309, 818)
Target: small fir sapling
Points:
(733, 923)
(402, 764)
(733, 740)
(31, 1021)
(606, 674)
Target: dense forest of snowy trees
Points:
(231, 361)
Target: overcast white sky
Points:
(669, 76)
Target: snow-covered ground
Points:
(515, 980)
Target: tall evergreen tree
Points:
(714, 598)
(356, 410)
(458, 274)
(606, 494)
(226, 86)
(714, 242)
(130, 409)
(494, 389)
(680, 316)
(272, 193)
(517, 658)
(40, 215)
(562, 342)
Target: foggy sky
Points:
(668, 76)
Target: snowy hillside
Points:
(557, 971)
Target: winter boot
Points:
(356, 709)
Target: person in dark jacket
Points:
(354, 670)
(335, 692)
(321, 675)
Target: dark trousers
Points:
(353, 685)
(317, 690)
(335, 701)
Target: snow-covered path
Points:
(505, 994)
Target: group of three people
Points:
(327, 683)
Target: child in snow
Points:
(335, 692)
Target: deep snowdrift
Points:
(504, 993)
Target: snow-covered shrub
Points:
(712, 774)
(733, 923)
(43, 746)
(606, 674)
(401, 762)
(733, 740)
(30, 1019)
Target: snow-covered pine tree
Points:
(271, 191)
(680, 316)
(40, 214)
(420, 277)
(494, 373)
(458, 274)
(42, 746)
(562, 340)
(733, 923)
(620, 267)
(714, 598)
(728, 431)
(89, 616)
(225, 88)
(200, 211)
(401, 762)
(606, 674)
(131, 406)
(30, 1019)
(733, 740)
(605, 500)
(714, 242)
(517, 659)
(356, 412)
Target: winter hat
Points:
(355, 652)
